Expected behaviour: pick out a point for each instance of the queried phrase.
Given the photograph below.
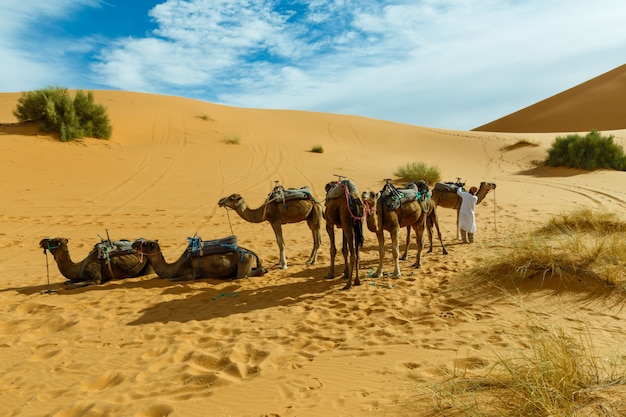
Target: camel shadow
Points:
(236, 299)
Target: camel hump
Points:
(199, 247)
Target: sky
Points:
(452, 64)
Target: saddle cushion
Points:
(448, 186)
(199, 247)
(281, 194)
(107, 249)
(336, 189)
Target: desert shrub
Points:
(592, 151)
(232, 140)
(555, 375)
(317, 149)
(54, 111)
(415, 171)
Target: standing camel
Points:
(344, 209)
(102, 264)
(448, 198)
(235, 263)
(383, 215)
(278, 212)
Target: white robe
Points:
(467, 219)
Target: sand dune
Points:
(595, 104)
(290, 343)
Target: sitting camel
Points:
(102, 264)
(235, 263)
(344, 209)
(278, 212)
(410, 213)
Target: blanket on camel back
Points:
(279, 193)
(110, 248)
(448, 186)
(394, 198)
(338, 189)
(199, 247)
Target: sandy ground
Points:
(289, 343)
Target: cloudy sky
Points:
(453, 64)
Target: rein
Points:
(348, 199)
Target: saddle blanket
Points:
(447, 186)
(336, 190)
(107, 248)
(281, 194)
(198, 247)
(394, 198)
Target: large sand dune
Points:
(290, 343)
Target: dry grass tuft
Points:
(583, 245)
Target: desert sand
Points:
(289, 343)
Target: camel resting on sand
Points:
(344, 210)
(102, 264)
(236, 263)
(279, 212)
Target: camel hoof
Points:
(416, 265)
(445, 252)
(403, 258)
(347, 287)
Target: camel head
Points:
(232, 201)
(146, 247)
(53, 243)
(489, 185)
(369, 199)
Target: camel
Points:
(279, 212)
(411, 214)
(449, 199)
(344, 209)
(98, 267)
(235, 263)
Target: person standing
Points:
(467, 218)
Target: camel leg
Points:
(381, 254)
(395, 251)
(330, 228)
(435, 221)
(344, 252)
(408, 243)
(314, 224)
(348, 247)
(419, 233)
(282, 258)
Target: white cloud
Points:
(442, 63)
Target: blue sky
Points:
(454, 64)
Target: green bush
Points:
(415, 171)
(593, 151)
(54, 111)
(317, 149)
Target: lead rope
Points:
(229, 223)
(495, 224)
(49, 291)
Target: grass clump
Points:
(205, 117)
(55, 111)
(232, 140)
(592, 151)
(415, 171)
(556, 375)
(581, 245)
(317, 149)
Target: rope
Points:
(495, 224)
(347, 194)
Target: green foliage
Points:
(593, 151)
(415, 171)
(317, 149)
(232, 140)
(54, 111)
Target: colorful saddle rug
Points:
(111, 248)
(199, 247)
(393, 198)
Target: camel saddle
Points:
(394, 198)
(279, 193)
(199, 247)
(448, 186)
(108, 249)
(338, 189)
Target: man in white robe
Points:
(467, 219)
